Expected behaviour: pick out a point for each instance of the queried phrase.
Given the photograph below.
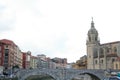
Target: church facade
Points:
(101, 56)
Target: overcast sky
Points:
(58, 28)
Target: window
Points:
(6, 54)
(107, 50)
(95, 61)
(6, 61)
(101, 61)
(113, 60)
(89, 38)
(6, 46)
(0, 48)
(95, 54)
(6, 50)
(96, 38)
(115, 49)
(116, 66)
(101, 52)
(0, 54)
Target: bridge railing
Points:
(62, 74)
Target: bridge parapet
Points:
(59, 74)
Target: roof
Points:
(34, 57)
(9, 42)
(111, 43)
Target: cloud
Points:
(7, 18)
(5, 26)
(43, 27)
(2, 8)
(57, 28)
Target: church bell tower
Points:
(91, 43)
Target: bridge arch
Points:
(97, 74)
(60, 74)
(24, 75)
(91, 75)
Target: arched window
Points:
(101, 61)
(89, 38)
(101, 52)
(116, 66)
(113, 60)
(95, 53)
(107, 50)
(115, 49)
(95, 61)
(95, 38)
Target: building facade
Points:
(117, 63)
(10, 54)
(33, 62)
(42, 61)
(26, 59)
(45, 62)
(81, 63)
(60, 62)
(101, 56)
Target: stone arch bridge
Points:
(60, 74)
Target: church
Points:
(101, 56)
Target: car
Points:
(1, 76)
(114, 78)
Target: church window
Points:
(89, 38)
(113, 60)
(101, 61)
(101, 52)
(115, 49)
(95, 61)
(107, 50)
(116, 66)
(96, 38)
(95, 53)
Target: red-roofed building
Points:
(10, 54)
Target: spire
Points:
(92, 23)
